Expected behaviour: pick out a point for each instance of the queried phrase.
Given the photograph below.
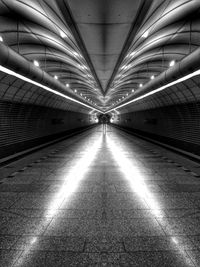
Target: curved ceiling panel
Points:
(103, 52)
(37, 31)
(169, 32)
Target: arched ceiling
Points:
(102, 51)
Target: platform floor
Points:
(102, 198)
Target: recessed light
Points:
(36, 63)
(133, 90)
(75, 53)
(152, 77)
(146, 34)
(141, 84)
(132, 53)
(62, 34)
(75, 91)
(1, 38)
(56, 77)
(67, 85)
(172, 63)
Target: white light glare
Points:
(67, 85)
(133, 90)
(75, 91)
(152, 77)
(172, 63)
(36, 63)
(134, 176)
(141, 84)
(146, 34)
(132, 54)
(75, 53)
(1, 38)
(73, 178)
(62, 34)
(56, 77)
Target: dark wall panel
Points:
(23, 126)
(177, 125)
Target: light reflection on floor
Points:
(138, 184)
(74, 176)
(103, 203)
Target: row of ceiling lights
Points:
(37, 64)
(63, 35)
(171, 64)
(83, 67)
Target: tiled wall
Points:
(177, 125)
(24, 125)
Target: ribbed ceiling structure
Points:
(168, 33)
(37, 31)
(102, 53)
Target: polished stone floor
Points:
(102, 198)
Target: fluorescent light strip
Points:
(17, 75)
(195, 73)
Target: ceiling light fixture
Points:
(1, 38)
(152, 77)
(172, 63)
(141, 85)
(56, 77)
(36, 63)
(132, 53)
(67, 85)
(146, 34)
(62, 34)
(132, 90)
(75, 54)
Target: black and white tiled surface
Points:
(99, 199)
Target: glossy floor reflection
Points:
(99, 199)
